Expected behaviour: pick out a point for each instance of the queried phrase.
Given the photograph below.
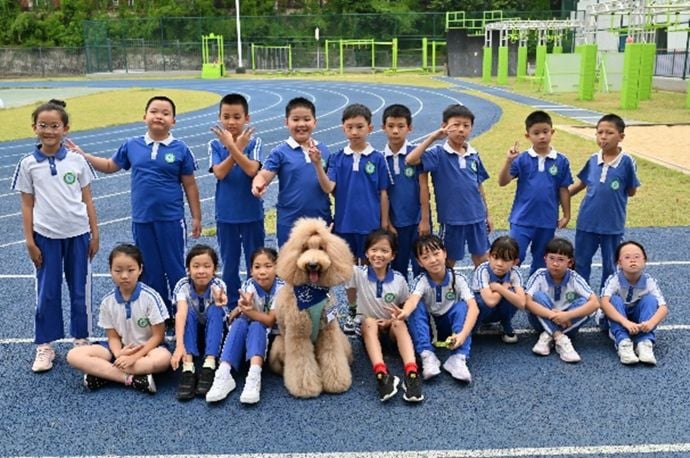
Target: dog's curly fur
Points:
(312, 255)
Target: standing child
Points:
(543, 176)
(458, 174)
(633, 304)
(60, 230)
(441, 306)
(251, 322)
(408, 193)
(358, 178)
(162, 167)
(610, 177)
(235, 158)
(380, 292)
(201, 308)
(299, 191)
(133, 316)
(559, 301)
(497, 286)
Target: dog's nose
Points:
(312, 266)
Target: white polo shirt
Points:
(483, 276)
(618, 284)
(572, 286)
(132, 319)
(56, 183)
(440, 297)
(374, 295)
(185, 291)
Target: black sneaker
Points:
(412, 388)
(205, 380)
(144, 383)
(387, 385)
(187, 386)
(93, 383)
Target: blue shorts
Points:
(476, 236)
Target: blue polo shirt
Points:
(235, 202)
(299, 191)
(403, 193)
(359, 179)
(456, 179)
(157, 170)
(539, 179)
(603, 208)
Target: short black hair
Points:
(234, 99)
(162, 98)
(300, 102)
(128, 250)
(615, 120)
(505, 248)
(630, 242)
(269, 252)
(200, 249)
(52, 105)
(537, 117)
(457, 111)
(397, 110)
(561, 246)
(379, 234)
(357, 109)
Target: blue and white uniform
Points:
(204, 317)
(572, 292)
(132, 319)
(457, 178)
(405, 206)
(359, 179)
(441, 311)
(158, 224)
(601, 218)
(374, 295)
(239, 215)
(504, 311)
(534, 216)
(638, 303)
(247, 338)
(299, 192)
(62, 233)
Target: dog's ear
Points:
(341, 257)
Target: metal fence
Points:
(672, 63)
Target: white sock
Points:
(223, 369)
(210, 363)
(188, 366)
(254, 370)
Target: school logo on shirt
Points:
(69, 178)
(553, 170)
(169, 158)
(370, 167)
(451, 296)
(409, 172)
(473, 166)
(143, 322)
(388, 298)
(570, 296)
(615, 185)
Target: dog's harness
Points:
(312, 299)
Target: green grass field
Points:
(661, 201)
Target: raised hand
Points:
(220, 298)
(513, 152)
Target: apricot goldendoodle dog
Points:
(311, 351)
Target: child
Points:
(408, 193)
(60, 229)
(235, 158)
(133, 316)
(299, 191)
(251, 323)
(380, 292)
(441, 302)
(162, 167)
(543, 176)
(497, 286)
(633, 305)
(201, 308)
(610, 177)
(458, 174)
(358, 178)
(559, 301)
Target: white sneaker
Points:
(645, 351)
(221, 388)
(457, 366)
(252, 390)
(543, 345)
(44, 358)
(431, 366)
(626, 353)
(564, 347)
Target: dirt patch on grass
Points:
(667, 145)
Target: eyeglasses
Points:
(632, 257)
(51, 126)
(557, 259)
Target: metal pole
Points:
(239, 36)
(687, 46)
